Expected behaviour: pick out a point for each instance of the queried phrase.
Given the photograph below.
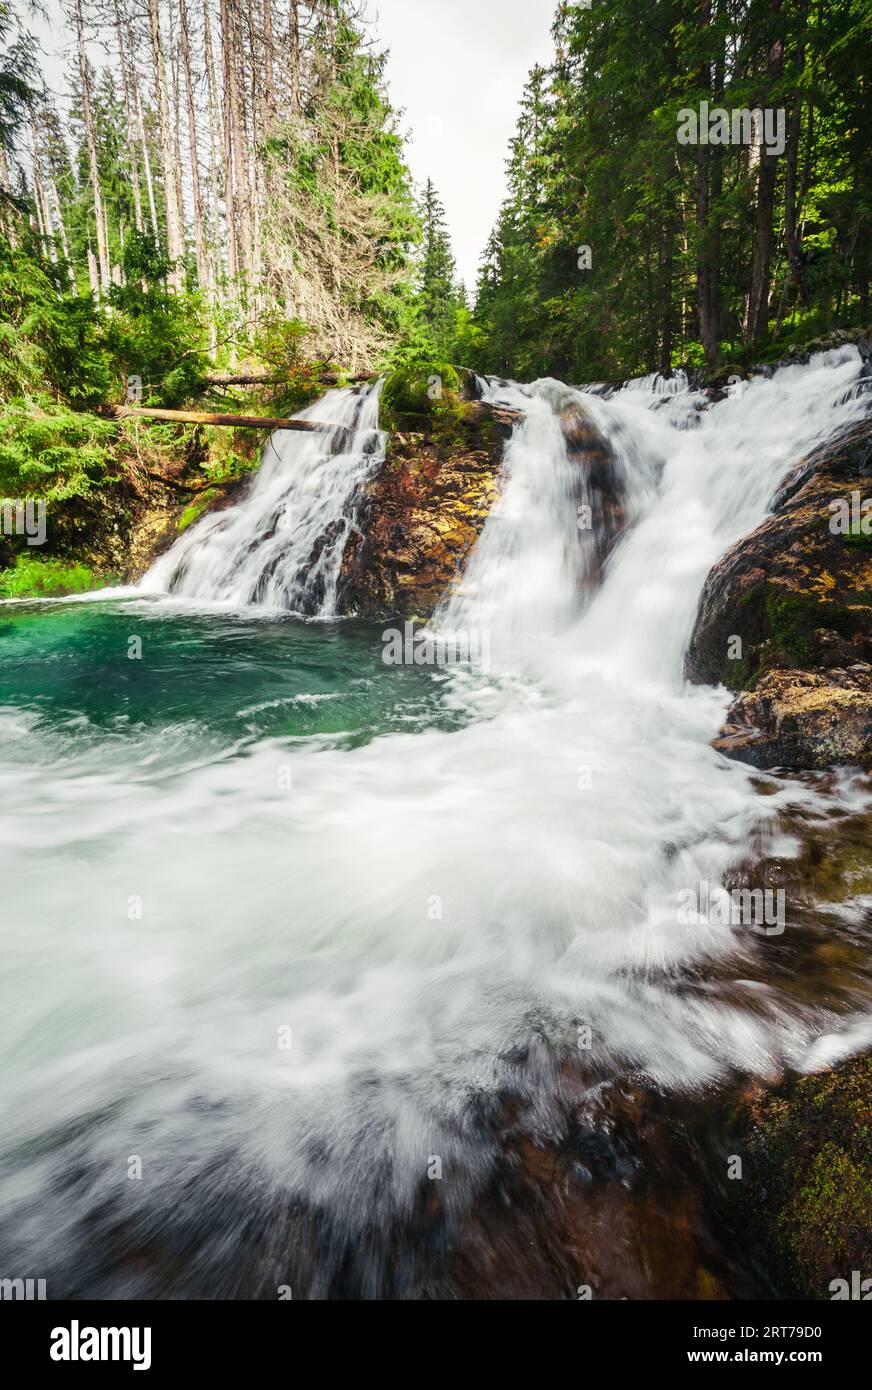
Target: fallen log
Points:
(201, 417)
(326, 379)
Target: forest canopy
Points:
(226, 187)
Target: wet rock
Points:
(802, 719)
(599, 486)
(806, 1192)
(786, 618)
(424, 512)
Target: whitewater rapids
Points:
(416, 912)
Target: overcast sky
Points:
(457, 68)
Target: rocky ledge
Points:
(805, 1201)
(785, 619)
(425, 510)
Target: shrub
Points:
(32, 577)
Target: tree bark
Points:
(229, 189)
(708, 177)
(215, 162)
(235, 71)
(103, 277)
(174, 236)
(792, 198)
(129, 117)
(758, 300)
(201, 417)
(146, 158)
(203, 275)
(294, 44)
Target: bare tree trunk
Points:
(214, 139)
(43, 216)
(91, 141)
(42, 225)
(199, 241)
(239, 140)
(176, 90)
(146, 158)
(709, 176)
(268, 72)
(294, 44)
(666, 261)
(7, 214)
(174, 237)
(128, 112)
(758, 302)
(62, 231)
(93, 273)
(256, 109)
(791, 201)
(229, 190)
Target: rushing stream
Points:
(379, 970)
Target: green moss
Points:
(196, 509)
(779, 626)
(794, 618)
(807, 1192)
(414, 396)
(30, 577)
(858, 538)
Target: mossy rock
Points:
(806, 1194)
(794, 590)
(197, 508)
(414, 395)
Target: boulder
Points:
(802, 719)
(805, 1199)
(797, 593)
(424, 512)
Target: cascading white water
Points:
(282, 546)
(420, 910)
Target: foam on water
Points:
(419, 909)
(282, 545)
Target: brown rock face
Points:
(424, 513)
(600, 486)
(427, 508)
(798, 593)
(801, 719)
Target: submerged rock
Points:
(786, 618)
(806, 1193)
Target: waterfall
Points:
(281, 547)
(694, 478)
(432, 884)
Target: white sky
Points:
(457, 69)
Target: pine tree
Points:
(439, 293)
